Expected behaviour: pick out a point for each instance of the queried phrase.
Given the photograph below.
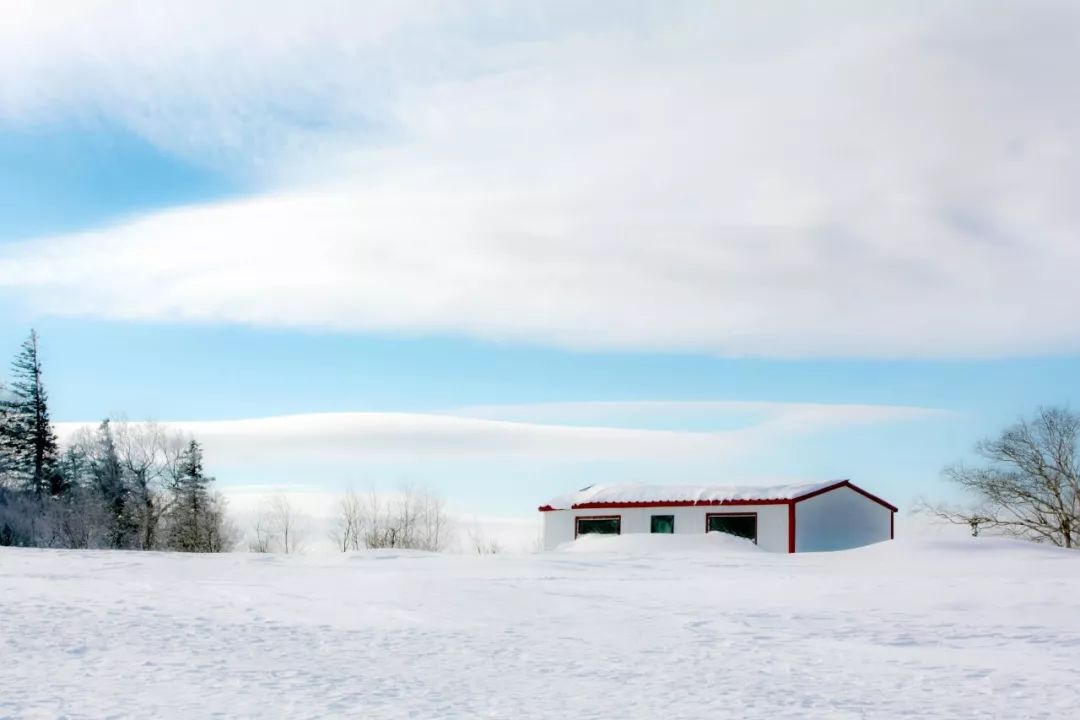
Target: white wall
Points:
(838, 520)
(772, 523)
(558, 528)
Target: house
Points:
(833, 515)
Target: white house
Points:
(833, 515)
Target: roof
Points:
(601, 496)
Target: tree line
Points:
(408, 519)
(121, 485)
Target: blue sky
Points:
(525, 221)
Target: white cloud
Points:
(646, 413)
(887, 181)
(366, 436)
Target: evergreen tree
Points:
(192, 512)
(79, 517)
(28, 442)
(7, 461)
(112, 487)
(75, 468)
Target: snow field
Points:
(619, 627)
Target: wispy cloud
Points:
(699, 413)
(545, 431)
(887, 181)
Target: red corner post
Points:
(791, 526)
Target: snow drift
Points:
(655, 543)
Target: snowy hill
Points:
(957, 629)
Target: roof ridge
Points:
(642, 494)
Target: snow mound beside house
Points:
(653, 543)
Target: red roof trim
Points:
(714, 503)
(847, 484)
(670, 503)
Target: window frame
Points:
(653, 532)
(579, 518)
(733, 514)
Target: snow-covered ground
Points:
(618, 628)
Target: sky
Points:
(508, 250)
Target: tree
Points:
(112, 488)
(7, 462)
(412, 519)
(152, 458)
(29, 441)
(348, 529)
(263, 540)
(481, 542)
(21, 519)
(1030, 486)
(222, 534)
(279, 527)
(191, 504)
(78, 518)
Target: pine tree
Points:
(192, 517)
(28, 440)
(112, 487)
(7, 461)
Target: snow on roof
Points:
(683, 494)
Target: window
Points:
(742, 525)
(662, 524)
(611, 525)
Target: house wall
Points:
(838, 520)
(772, 522)
(558, 528)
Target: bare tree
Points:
(1030, 486)
(222, 534)
(279, 527)
(151, 457)
(411, 518)
(480, 542)
(430, 522)
(348, 529)
(262, 539)
(380, 531)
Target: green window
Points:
(662, 524)
(744, 526)
(599, 525)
